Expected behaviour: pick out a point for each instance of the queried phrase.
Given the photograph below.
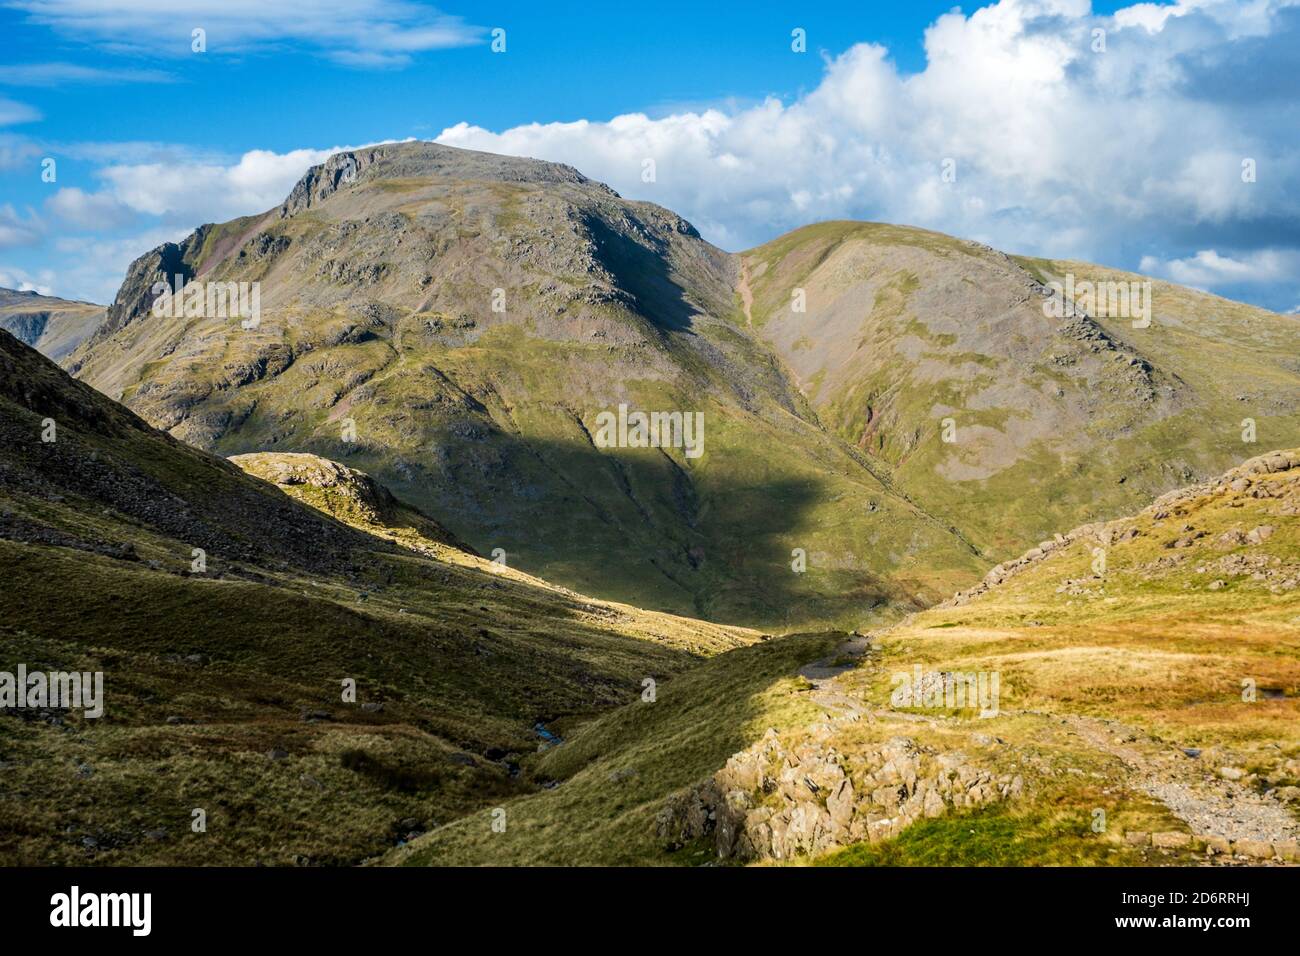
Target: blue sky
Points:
(1130, 156)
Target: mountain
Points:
(887, 412)
(457, 323)
(53, 326)
(351, 480)
(225, 615)
(1147, 669)
(1144, 711)
(1061, 412)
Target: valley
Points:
(523, 526)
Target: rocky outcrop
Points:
(774, 801)
(136, 295)
(406, 160)
(352, 496)
(1242, 480)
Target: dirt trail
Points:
(821, 675)
(1208, 805)
(746, 294)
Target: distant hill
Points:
(55, 327)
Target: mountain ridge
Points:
(472, 314)
(54, 326)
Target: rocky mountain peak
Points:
(423, 160)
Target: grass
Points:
(1157, 653)
(615, 771)
(224, 688)
(994, 836)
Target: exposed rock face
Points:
(778, 802)
(135, 297)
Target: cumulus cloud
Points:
(367, 33)
(1058, 139)
(88, 210)
(17, 229)
(1208, 269)
(209, 192)
(198, 191)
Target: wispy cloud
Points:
(364, 33)
(60, 74)
(11, 112)
(17, 229)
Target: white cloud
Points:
(18, 230)
(369, 33)
(58, 74)
(209, 192)
(88, 210)
(198, 191)
(1208, 269)
(11, 112)
(1058, 150)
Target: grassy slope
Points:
(1150, 642)
(1154, 650)
(615, 771)
(1152, 647)
(207, 674)
(1051, 433)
